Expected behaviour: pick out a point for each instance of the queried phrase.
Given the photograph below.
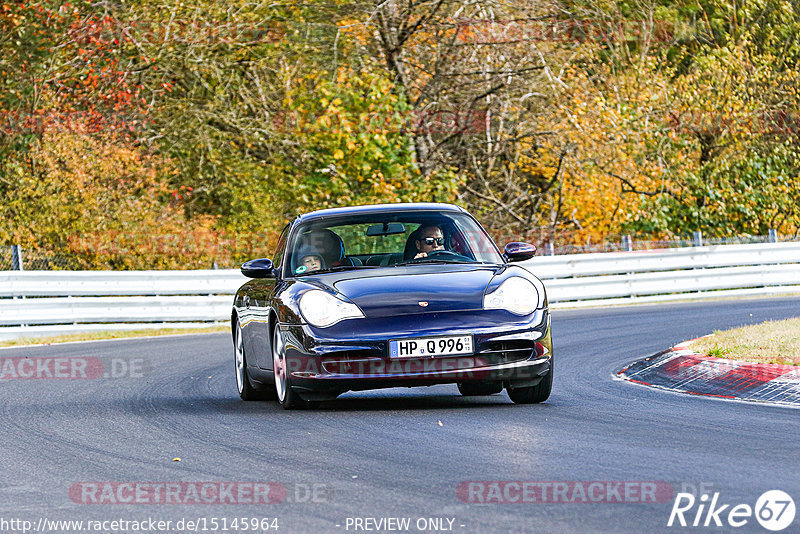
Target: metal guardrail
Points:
(119, 283)
(43, 302)
(36, 303)
(575, 265)
(117, 309)
(671, 274)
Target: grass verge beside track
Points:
(111, 334)
(768, 342)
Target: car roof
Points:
(380, 208)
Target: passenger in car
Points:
(310, 260)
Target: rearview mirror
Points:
(386, 228)
(516, 251)
(260, 268)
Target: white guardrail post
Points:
(69, 301)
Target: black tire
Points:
(475, 389)
(533, 394)
(287, 396)
(245, 387)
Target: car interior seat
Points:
(385, 259)
(410, 249)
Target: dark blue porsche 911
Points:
(392, 295)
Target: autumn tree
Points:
(74, 175)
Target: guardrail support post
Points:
(772, 237)
(627, 243)
(548, 249)
(16, 258)
(697, 239)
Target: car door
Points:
(260, 308)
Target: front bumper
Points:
(354, 354)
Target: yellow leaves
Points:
(355, 28)
(605, 131)
(100, 201)
(324, 121)
(338, 154)
(348, 22)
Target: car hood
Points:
(418, 289)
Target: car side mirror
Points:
(260, 268)
(516, 251)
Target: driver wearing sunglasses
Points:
(430, 240)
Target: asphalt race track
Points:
(384, 454)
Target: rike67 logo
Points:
(774, 510)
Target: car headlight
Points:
(323, 309)
(517, 295)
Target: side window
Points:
(280, 250)
(459, 243)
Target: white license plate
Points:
(430, 346)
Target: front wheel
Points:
(288, 398)
(533, 394)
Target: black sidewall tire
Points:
(291, 400)
(533, 394)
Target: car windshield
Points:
(389, 240)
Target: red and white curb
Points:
(682, 370)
